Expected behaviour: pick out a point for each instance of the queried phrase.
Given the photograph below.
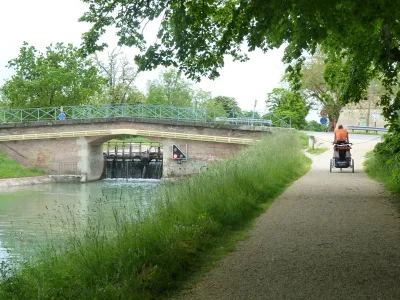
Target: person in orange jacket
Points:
(341, 135)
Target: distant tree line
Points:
(63, 76)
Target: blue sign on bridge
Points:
(62, 116)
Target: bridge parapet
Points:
(182, 114)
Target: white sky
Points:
(42, 22)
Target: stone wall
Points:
(358, 117)
(199, 156)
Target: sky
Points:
(42, 22)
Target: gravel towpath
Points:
(328, 236)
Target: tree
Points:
(121, 75)
(287, 106)
(229, 104)
(107, 96)
(324, 79)
(201, 97)
(251, 114)
(61, 76)
(196, 35)
(170, 89)
(4, 102)
(216, 109)
(315, 126)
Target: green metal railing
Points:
(202, 115)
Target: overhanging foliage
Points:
(196, 35)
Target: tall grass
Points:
(148, 255)
(383, 163)
(383, 170)
(12, 169)
(303, 139)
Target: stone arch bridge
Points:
(77, 145)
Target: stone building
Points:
(362, 115)
(366, 112)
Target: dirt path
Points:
(329, 236)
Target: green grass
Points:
(387, 173)
(12, 169)
(317, 151)
(303, 139)
(129, 139)
(193, 223)
(366, 133)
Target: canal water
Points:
(32, 215)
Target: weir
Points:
(133, 160)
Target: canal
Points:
(32, 215)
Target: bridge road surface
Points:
(328, 236)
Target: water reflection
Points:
(31, 215)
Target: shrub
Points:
(383, 162)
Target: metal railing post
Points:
(311, 141)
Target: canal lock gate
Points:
(133, 160)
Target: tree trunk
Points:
(333, 116)
(330, 127)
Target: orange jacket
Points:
(341, 135)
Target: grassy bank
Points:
(317, 151)
(367, 132)
(12, 169)
(387, 172)
(150, 255)
(303, 139)
(383, 163)
(304, 143)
